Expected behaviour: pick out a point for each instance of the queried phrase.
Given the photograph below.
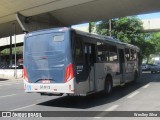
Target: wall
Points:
(9, 73)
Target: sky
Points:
(149, 16)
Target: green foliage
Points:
(92, 27)
(129, 30)
(19, 50)
(155, 39)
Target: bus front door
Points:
(90, 59)
(122, 66)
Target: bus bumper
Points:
(55, 88)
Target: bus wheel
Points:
(135, 76)
(108, 85)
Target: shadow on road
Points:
(98, 99)
(3, 79)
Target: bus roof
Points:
(106, 38)
(100, 37)
(45, 31)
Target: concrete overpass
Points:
(36, 14)
(151, 25)
(8, 42)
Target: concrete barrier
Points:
(7, 73)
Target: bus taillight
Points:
(69, 72)
(25, 74)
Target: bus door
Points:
(90, 59)
(122, 65)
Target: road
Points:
(141, 96)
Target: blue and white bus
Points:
(66, 61)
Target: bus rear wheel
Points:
(108, 86)
(135, 76)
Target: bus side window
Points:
(102, 52)
(127, 54)
(78, 51)
(89, 51)
(113, 56)
(133, 55)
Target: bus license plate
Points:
(45, 87)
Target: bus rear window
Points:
(45, 43)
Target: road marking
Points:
(4, 84)
(9, 84)
(7, 96)
(146, 86)
(23, 107)
(108, 109)
(112, 108)
(133, 94)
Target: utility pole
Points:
(90, 27)
(15, 55)
(10, 56)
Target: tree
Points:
(92, 27)
(155, 39)
(129, 30)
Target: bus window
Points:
(102, 52)
(136, 55)
(89, 54)
(84, 57)
(78, 51)
(133, 55)
(127, 54)
(79, 60)
(113, 56)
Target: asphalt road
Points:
(141, 96)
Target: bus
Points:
(67, 61)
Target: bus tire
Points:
(135, 76)
(108, 85)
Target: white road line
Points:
(23, 107)
(7, 96)
(112, 108)
(146, 86)
(9, 84)
(133, 94)
(108, 109)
